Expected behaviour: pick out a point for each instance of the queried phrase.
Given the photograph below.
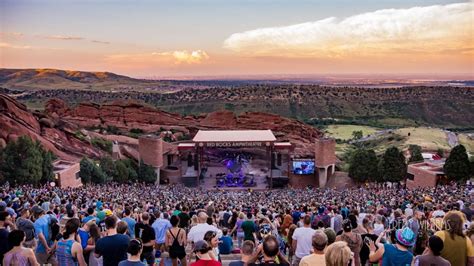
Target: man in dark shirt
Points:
(184, 218)
(146, 233)
(249, 228)
(5, 221)
(113, 247)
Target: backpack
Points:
(176, 250)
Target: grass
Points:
(344, 132)
(427, 138)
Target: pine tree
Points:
(363, 165)
(415, 154)
(392, 166)
(48, 169)
(22, 161)
(457, 166)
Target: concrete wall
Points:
(325, 152)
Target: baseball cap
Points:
(201, 246)
(37, 210)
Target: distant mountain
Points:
(66, 79)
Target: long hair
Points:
(72, 225)
(453, 223)
(337, 254)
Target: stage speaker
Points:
(273, 160)
(196, 162)
(279, 159)
(190, 160)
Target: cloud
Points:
(11, 34)
(61, 37)
(13, 46)
(160, 58)
(428, 29)
(101, 42)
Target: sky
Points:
(177, 38)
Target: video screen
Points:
(303, 167)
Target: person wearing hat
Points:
(201, 249)
(393, 254)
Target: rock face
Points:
(131, 115)
(16, 120)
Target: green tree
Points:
(122, 172)
(146, 173)
(91, 172)
(132, 169)
(363, 165)
(108, 167)
(457, 166)
(48, 169)
(392, 166)
(22, 161)
(415, 154)
(357, 134)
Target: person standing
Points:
(432, 254)
(145, 232)
(302, 241)
(112, 247)
(45, 242)
(248, 226)
(246, 252)
(353, 240)
(68, 250)
(175, 241)
(26, 225)
(319, 243)
(161, 226)
(130, 222)
(19, 255)
(198, 231)
(135, 248)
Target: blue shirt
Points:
(225, 245)
(131, 226)
(84, 237)
(161, 226)
(392, 256)
(88, 218)
(42, 226)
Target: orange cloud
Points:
(159, 58)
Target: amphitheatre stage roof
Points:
(234, 136)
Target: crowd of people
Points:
(138, 224)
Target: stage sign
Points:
(232, 144)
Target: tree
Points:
(48, 169)
(90, 172)
(415, 154)
(457, 166)
(108, 167)
(22, 161)
(363, 165)
(392, 166)
(357, 134)
(122, 172)
(146, 173)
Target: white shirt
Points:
(304, 238)
(198, 231)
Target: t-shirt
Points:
(313, 259)
(225, 245)
(456, 250)
(112, 248)
(236, 263)
(183, 219)
(146, 233)
(161, 226)
(84, 237)
(131, 263)
(304, 238)
(131, 226)
(430, 259)
(206, 263)
(198, 231)
(3, 242)
(42, 226)
(392, 256)
(249, 228)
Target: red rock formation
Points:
(16, 120)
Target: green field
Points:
(344, 132)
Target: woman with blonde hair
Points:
(458, 248)
(338, 254)
(238, 228)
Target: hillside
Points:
(440, 106)
(66, 79)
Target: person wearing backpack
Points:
(175, 241)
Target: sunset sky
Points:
(144, 38)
